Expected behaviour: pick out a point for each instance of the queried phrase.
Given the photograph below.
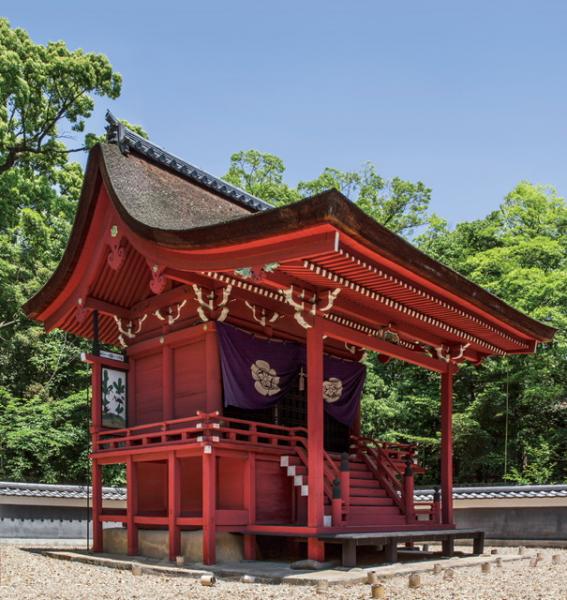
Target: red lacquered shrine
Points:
(162, 259)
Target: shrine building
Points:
(234, 401)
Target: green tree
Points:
(261, 174)
(398, 204)
(47, 94)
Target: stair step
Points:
(286, 461)
(368, 501)
(293, 470)
(369, 492)
(365, 483)
(374, 511)
(361, 475)
(358, 466)
(382, 521)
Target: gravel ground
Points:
(25, 575)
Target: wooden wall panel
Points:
(191, 484)
(230, 483)
(273, 493)
(152, 487)
(148, 405)
(189, 379)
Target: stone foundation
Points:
(154, 543)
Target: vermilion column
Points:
(96, 468)
(447, 445)
(131, 505)
(167, 383)
(97, 505)
(209, 505)
(315, 432)
(173, 505)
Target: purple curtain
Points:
(258, 373)
(342, 387)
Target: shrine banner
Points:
(342, 388)
(256, 373)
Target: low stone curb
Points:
(331, 576)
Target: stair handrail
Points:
(381, 467)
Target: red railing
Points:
(394, 465)
(201, 428)
(384, 469)
(215, 428)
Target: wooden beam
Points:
(107, 308)
(345, 334)
(149, 305)
(309, 242)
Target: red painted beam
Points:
(309, 242)
(340, 332)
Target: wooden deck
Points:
(390, 541)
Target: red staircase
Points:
(370, 503)
(371, 487)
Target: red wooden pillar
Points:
(96, 408)
(167, 383)
(209, 505)
(97, 505)
(96, 468)
(132, 505)
(250, 503)
(315, 439)
(173, 505)
(447, 445)
(213, 369)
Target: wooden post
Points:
(249, 547)
(337, 504)
(131, 505)
(408, 491)
(315, 439)
(436, 506)
(97, 505)
(209, 504)
(173, 505)
(345, 479)
(96, 404)
(447, 445)
(167, 383)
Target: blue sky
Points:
(469, 97)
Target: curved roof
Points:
(164, 203)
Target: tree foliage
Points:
(47, 94)
(510, 414)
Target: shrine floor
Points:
(38, 574)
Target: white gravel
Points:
(24, 575)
